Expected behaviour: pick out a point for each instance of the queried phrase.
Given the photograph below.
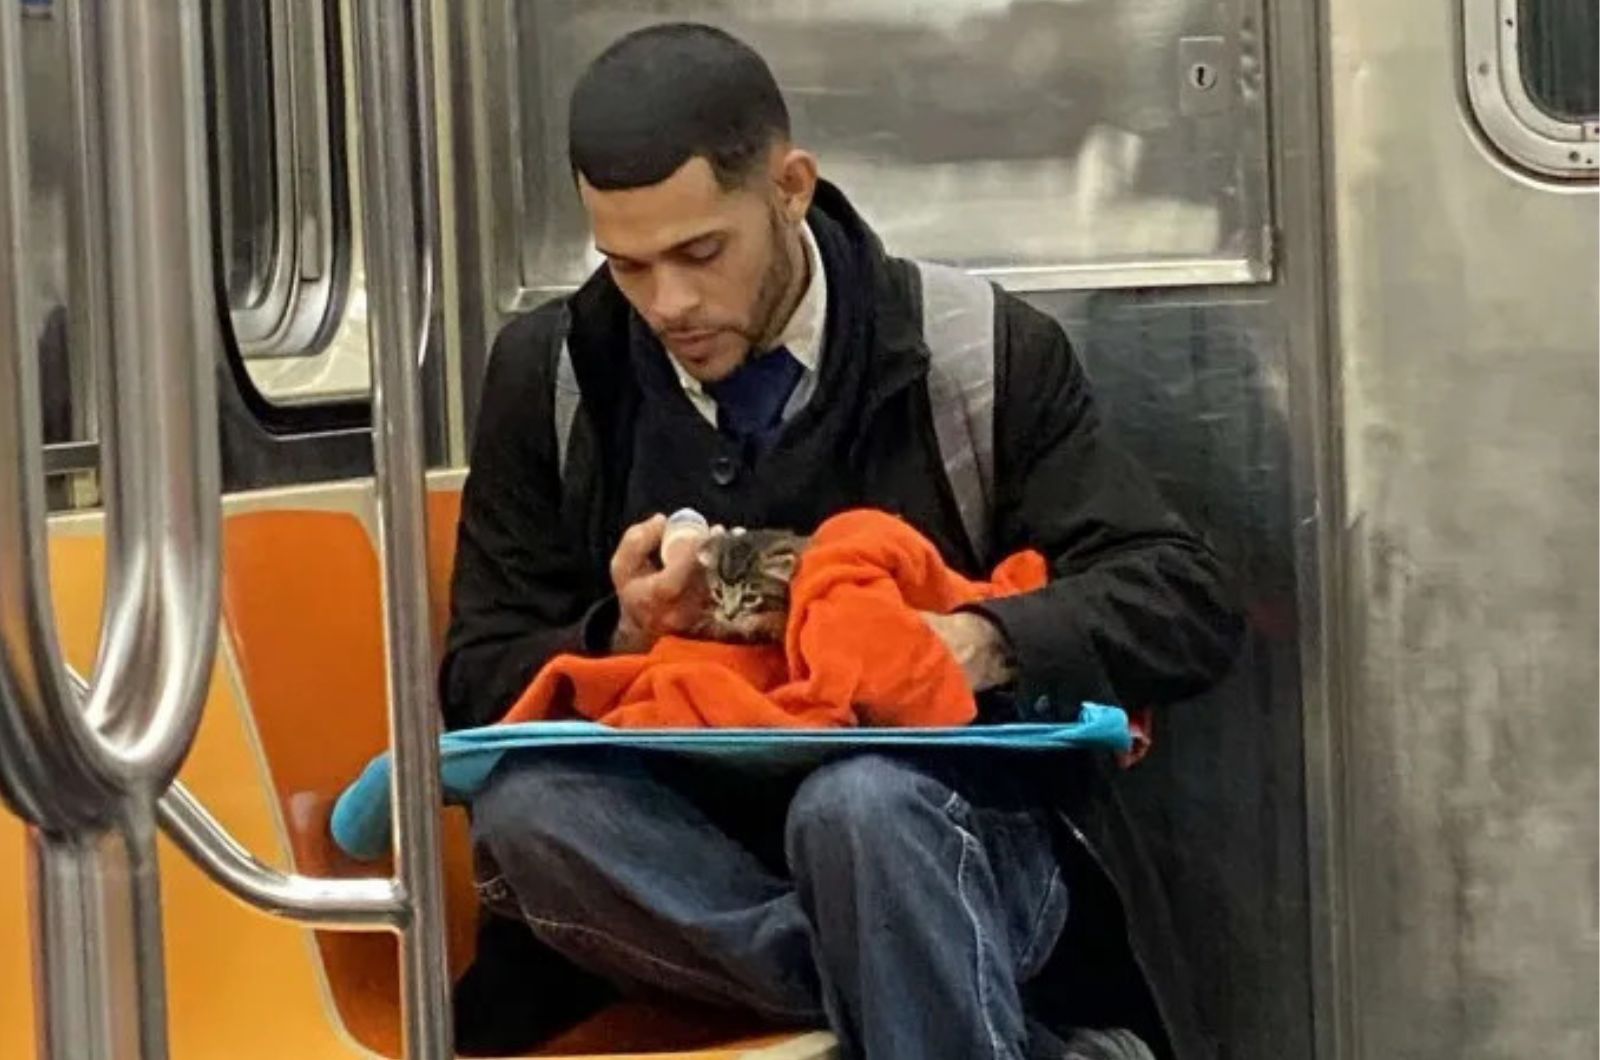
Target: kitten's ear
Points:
(707, 552)
(781, 563)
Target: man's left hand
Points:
(978, 646)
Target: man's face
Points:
(706, 267)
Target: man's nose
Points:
(675, 298)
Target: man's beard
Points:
(775, 286)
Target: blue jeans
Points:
(902, 902)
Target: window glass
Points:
(247, 167)
(287, 245)
(1050, 143)
(66, 365)
(1560, 56)
(1530, 74)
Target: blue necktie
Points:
(750, 402)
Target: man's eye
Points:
(626, 268)
(703, 252)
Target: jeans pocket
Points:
(1032, 898)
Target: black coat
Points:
(1137, 611)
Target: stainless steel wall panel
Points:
(1465, 324)
(1051, 143)
(1196, 387)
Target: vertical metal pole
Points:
(392, 111)
(93, 966)
(84, 765)
(142, 903)
(68, 951)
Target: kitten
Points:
(747, 584)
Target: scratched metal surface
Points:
(1465, 313)
(1057, 140)
(1195, 386)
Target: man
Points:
(749, 350)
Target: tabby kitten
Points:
(747, 584)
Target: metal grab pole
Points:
(67, 944)
(391, 42)
(38, 776)
(84, 769)
(68, 761)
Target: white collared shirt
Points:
(803, 335)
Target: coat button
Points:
(724, 471)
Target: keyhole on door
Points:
(1203, 76)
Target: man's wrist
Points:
(989, 663)
(994, 663)
(979, 645)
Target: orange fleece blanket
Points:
(856, 651)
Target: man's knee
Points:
(538, 819)
(869, 803)
(537, 799)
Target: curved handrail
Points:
(365, 904)
(369, 904)
(69, 762)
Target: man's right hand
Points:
(654, 601)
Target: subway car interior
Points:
(1333, 267)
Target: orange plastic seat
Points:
(296, 705)
(301, 600)
(240, 984)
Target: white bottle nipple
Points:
(686, 528)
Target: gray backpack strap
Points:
(958, 328)
(568, 397)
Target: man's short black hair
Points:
(665, 94)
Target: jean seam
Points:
(1030, 951)
(496, 895)
(708, 982)
(970, 845)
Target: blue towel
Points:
(361, 821)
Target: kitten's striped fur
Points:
(747, 582)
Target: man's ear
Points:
(795, 174)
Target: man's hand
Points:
(654, 601)
(978, 646)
